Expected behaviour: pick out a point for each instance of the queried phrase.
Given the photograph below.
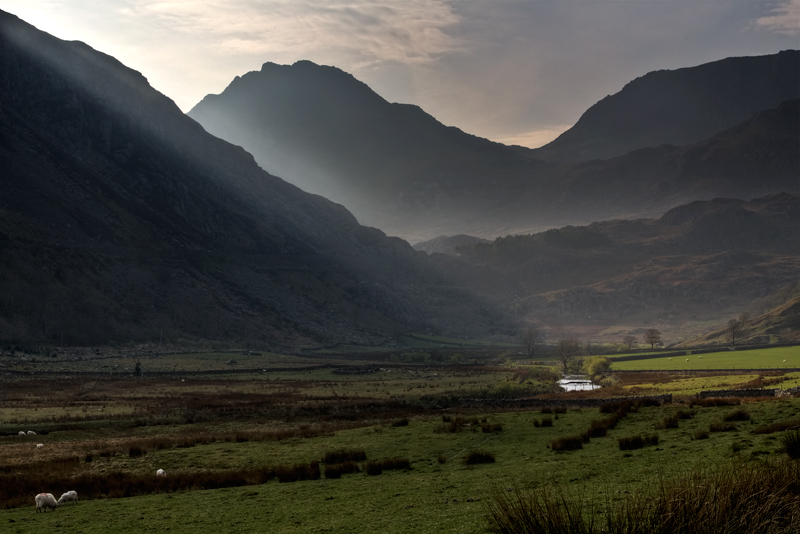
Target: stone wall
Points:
(738, 393)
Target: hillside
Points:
(121, 219)
(399, 169)
(685, 273)
(678, 107)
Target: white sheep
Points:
(40, 445)
(687, 359)
(70, 496)
(45, 501)
(161, 473)
(22, 433)
(700, 357)
(31, 433)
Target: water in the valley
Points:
(577, 383)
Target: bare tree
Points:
(566, 351)
(652, 337)
(744, 323)
(629, 340)
(732, 331)
(532, 339)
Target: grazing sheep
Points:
(687, 359)
(670, 359)
(161, 473)
(70, 496)
(40, 445)
(22, 433)
(45, 501)
(700, 357)
(31, 433)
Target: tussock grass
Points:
(790, 442)
(779, 426)
(737, 415)
(755, 498)
(637, 442)
(337, 470)
(344, 455)
(569, 443)
(479, 457)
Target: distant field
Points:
(771, 358)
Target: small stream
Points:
(577, 383)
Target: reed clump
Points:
(757, 498)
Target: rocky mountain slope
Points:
(679, 107)
(399, 169)
(121, 219)
(698, 265)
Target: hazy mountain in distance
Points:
(447, 244)
(679, 107)
(399, 169)
(700, 263)
(331, 134)
(121, 219)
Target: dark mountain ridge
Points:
(122, 219)
(679, 107)
(399, 169)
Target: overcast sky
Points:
(515, 71)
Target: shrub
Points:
(344, 455)
(401, 422)
(479, 457)
(491, 427)
(546, 409)
(547, 421)
(570, 443)
(135, 452)
(722, 427)
(441, 458)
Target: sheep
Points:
(45, 501)
(161, 473)
(31, 433)
(700, 357)
(22, 433)
(71, 495)
(40, 445)
(687, 359)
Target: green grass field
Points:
(772, 358)
(209, 426)
(430, 497)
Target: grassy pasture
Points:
(772, 358)
(215, 425)
(430, 497)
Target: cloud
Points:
(783, 19)
(412, 31)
